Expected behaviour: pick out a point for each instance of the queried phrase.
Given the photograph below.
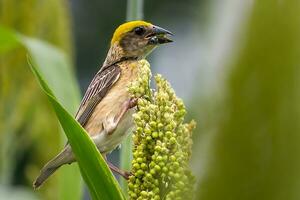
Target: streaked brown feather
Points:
(109, 107)
(97, 89)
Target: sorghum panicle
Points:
(162, 142)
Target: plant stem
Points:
(134, 12)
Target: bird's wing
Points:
(97, 89)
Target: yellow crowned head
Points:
(125, 28)
(138, 38)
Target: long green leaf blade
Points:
(100, 181)
(55, 67)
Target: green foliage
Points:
(55, 66)
(8, 40)
(255, 151)
(48, 21)
(29, 132)
(100, 181)
(162, 142)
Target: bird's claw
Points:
(132, 102)
(127, 174)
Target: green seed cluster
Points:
(162, 142)
(141, 87)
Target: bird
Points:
(106, 109)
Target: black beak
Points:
(161, 31)
(159, 35)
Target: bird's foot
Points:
(132, 102)
(127, 174)
(123, 173)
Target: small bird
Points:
(106, 109)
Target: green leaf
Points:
(100, 181)
(8, 40)
(55, 67)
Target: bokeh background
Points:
(235, 63)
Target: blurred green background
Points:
(235, 63)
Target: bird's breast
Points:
(110, 107)
(108, 142)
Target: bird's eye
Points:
(139, 30)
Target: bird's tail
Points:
(62, 158)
